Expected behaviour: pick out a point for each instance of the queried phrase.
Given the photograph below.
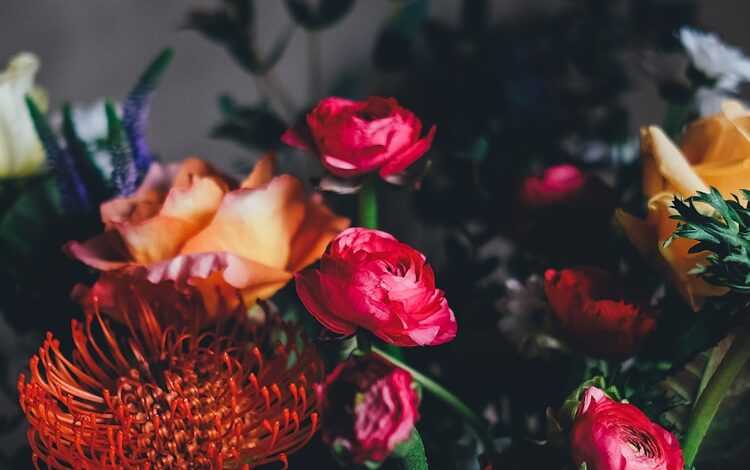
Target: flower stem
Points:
(413, 456)
(472, 419)
(368, 204)
(708, 402)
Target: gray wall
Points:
(94, 48)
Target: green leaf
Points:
(320, 16)
(721, 228)
(26, 223)
(411, 454)
(394, 44)
(256, 127)
(233, 26)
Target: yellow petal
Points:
(262, 173)
(671, 163)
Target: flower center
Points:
(642, 442)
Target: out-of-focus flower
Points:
(354, 138)
(368, 408)
(595, 312)
(608, 435)
(21, 152)
(563, 196)
(152, 392)
(368, 279)
(557, 184)
(714, 152)
(191, 225)
(525, 311)
(725, 64)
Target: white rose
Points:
(21, 152)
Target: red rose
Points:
(608, 435)
(369, 279)
(356, 137)
(593, 309)
(558, 184)
(368, 408)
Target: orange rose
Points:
(714, 152)
(189, 224)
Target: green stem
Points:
(368, 204)
(472, 419)
(413, 456)
(718, 385)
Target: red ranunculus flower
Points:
(592, 307)
(609, 435)
(369, 279)
(368, 408)
(356, 137)
(558, 184)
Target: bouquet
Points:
(467, 259)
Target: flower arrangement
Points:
(481, 271)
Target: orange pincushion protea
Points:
(151, 397)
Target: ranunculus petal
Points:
(370, 280)
(402, 161)
(309, 291)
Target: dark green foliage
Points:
(722, 229)
(255, 127)
(232, 25)
(324, 15)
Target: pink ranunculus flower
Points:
(609, 435)
(558, 184)
(353, 138)
(368, 408)
(368, 279)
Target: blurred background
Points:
(94, 49)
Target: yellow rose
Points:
(21, 152)
(714, 152)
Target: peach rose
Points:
(714, 152)
(189, 224)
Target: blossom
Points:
(189, 224)
(593, 309)
(368, 408)
(354, 138)
(21, 151)
(608, 435)
(557, 184)
(725, 64)
(368, 279)
(714, 152)
(153, 392)
(525, 314)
